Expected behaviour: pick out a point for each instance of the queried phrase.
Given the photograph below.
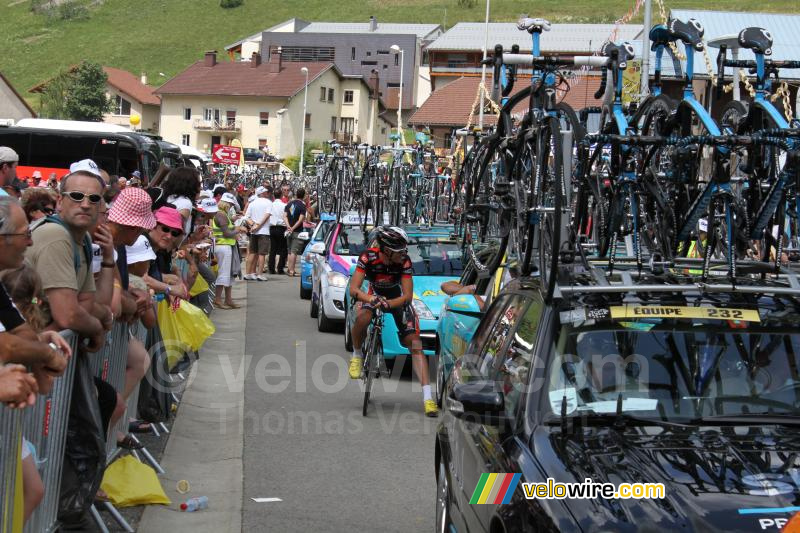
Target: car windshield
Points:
(324, 229)
(702, 365)
(435, 257)
(350, 241)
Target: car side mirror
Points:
(478, 402)
(465, 304)
(317, 248)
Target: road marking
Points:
(266, 500)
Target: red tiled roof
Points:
(131, 85)
(451, 105)
(238, 78)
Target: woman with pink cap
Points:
(164, 239)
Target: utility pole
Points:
(483, 67)
(644, 84)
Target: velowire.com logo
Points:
(495, 488)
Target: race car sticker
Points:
(557, 396)
(663, 311)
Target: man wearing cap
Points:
(258, 213)
(62, 252)
(37, 178)
(8, 168)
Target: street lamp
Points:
(304, 70)
(397, 50)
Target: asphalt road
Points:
(305, 440)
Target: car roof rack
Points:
(678, 276)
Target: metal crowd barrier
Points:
(45, 426)
(10, 441)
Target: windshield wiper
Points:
(747, 419)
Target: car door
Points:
(479, 441)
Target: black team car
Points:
(699, 391)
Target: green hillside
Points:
(163, 36)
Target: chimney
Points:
(211, 58)
(373, 23)
(275, 60)
(255, 60)
(373, 84)
(143, 78)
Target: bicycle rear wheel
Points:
(548, 201)
(370, 368)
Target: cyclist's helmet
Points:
(392, 238)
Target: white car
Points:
(332, 262)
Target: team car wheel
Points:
(323, 322)
(442, 500)
(314, 306)
(305, 294)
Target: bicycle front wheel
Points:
(370, 368)
(548, 201)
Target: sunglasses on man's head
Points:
(77, 197)
(173, 232)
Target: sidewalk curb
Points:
(206, 444)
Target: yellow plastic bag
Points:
(129, 482)
(184, 329)
(200, 286)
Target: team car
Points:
(435, 258)
(331, 263)
(318, 235)
(697, 391)
(459, 317)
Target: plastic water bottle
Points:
(193, 504)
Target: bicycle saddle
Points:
(690, 32)
(533, 25)
(660, 35)
(758, 40)
(623, 51)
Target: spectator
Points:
(38, 202)
(52, 181)
(293, 216)
(164, 239)
(182, 188)
(8, 168)
(225, 248)
(20, 343)
(258, 213)
(277, 233)
(37, 178)
(129, 216)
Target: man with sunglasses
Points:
(61, 253)
(8, 168)
(391, 287)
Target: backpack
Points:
(87, 241)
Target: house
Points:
(261, 104)
(356, 49)
(129, 95)
(449, 107)
(459, 51)
(12, 105)
(726, 25)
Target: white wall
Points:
(10, 105)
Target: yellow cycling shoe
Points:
(430, 408)
(356, 364)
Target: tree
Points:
(86, 99)
(54, 96)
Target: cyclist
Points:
(388, 270)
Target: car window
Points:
(507, 318)
(431, 257)
(324, 230)
(513, 368)
(350, 241)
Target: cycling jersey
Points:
(384, 279)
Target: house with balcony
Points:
(261, 104)
(357, 49)
(458, 52)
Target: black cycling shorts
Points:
(404, 317)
